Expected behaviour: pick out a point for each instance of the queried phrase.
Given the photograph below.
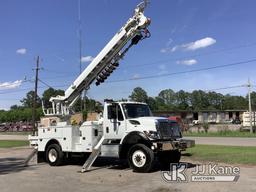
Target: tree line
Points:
(193, 101)
(166, 100)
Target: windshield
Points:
(136, 110)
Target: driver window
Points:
(114, 112)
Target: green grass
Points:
(224, 154)
(220, 134)
(9, 143)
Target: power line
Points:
(230, 87)
(45, 83)
(195, 55)
(164, 60)
(30, 89)
(184, 72)
(56, 72)
(149, 77)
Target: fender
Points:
(52, 141)
(41, 155)
(131, 139)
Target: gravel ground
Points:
(106, 175)
(13, 137)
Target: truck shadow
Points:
(13, 165)
(117, 164)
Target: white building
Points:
(246, 119)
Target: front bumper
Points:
(169, 145)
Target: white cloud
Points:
(192, 46)
(199, 44)
(167, 46)
(187, 62)
(10, 85)
(162, 67)
(135, 76)
(164, 50)
(202, 43)
(85, 59)
(21, 51)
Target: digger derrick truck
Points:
(126, 130)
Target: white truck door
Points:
(114, 123)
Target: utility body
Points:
(126, 130)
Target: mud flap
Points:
(40, 157)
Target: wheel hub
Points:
(139, 158)
(52, 155)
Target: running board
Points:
(95, 153)
(31, 155)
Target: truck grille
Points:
(164, 129)
(167, 130)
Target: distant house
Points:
(204, 116)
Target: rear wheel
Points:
(140, 158)
(54, 155)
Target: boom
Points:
(105, 62)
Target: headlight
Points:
(157, 124)
(152, 134)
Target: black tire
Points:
(140, 158)
(54, 155)
(168, 157)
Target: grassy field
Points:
(220, 134)
(9, 143)
(225, 154)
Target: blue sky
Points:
(186, 35)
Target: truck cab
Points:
(141, 135)
(122, 118)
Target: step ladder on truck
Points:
(126, 130)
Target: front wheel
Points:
(54, 155)
(140, 158)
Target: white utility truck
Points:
(126, 130)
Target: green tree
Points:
(90, 105)
(160, 105)
(152, 103)
(253, 100)
(235, 102)
(168, 96)
(183, 100)
(14, 107)
(199, 100)
(28, 100)
(215, 100)
(139, 95)
(3, 116)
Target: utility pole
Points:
(250, 104)
(34, 98)
(80, 48)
